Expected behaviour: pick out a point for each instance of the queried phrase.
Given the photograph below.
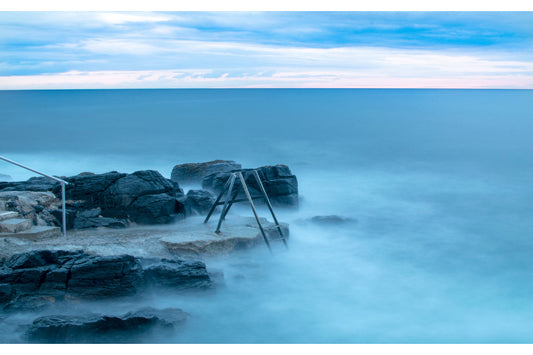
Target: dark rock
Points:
(41, 277)
(195, 172)
(127, 189)
(6, 292)
(29, 303)
(281, 186)
(70, 215)
(94, 328)
(154, 209)
(180, 274)
(90, 188)
(104, 276)
(40, 183)
(198, 202)
(332, 220)
(92, 219)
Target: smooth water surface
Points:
(438, 180)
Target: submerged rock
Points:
(279, 183)
(195, 172)
(97, 328)
(332, 220)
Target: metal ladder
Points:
(231, 195)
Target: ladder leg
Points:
(217, 200)
(253, 209)
(262, 188)
(228, 197)
(235, 193)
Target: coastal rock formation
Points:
(280, 185)
(97, 200)
(178, 274)
(195, 172)
(198, 202)
(32, 205)
(75, 274)
(98, 328)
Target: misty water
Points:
(439, 182)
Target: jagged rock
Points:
(103, 276)
(180, 274)
(28, 203)
(92, 219)
(90, 188)
(198, 202)
(195, 172)
(153, 209)
(40, 183)
(5, 293)
(56, 274)
(129, 188)
(96, 328)
(278, 181)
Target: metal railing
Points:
(62, 182)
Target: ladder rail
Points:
(217, 201)
(223, 213)
(267, 200)
(254, 211)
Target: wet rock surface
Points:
(279, 183)
(142, 197)
(47, 276)
(98, 328)
(195, 172)
(198, 202)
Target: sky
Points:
(92, 50)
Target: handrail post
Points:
(64, 212)
(62, 182)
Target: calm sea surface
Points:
(440, 182)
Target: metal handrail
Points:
(62, 182)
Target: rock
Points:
(96, 328)
(281, 186)
(198, 202)
(40, 183)
(127, 189)
(5, 293)
(32, 205)
(332, 220)
(156, 209)
(104, 276)
(195, 172)
(92, 219)
(29, 303)
(180, 274)
(90, 188)
(56, 274)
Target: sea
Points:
(438, 181)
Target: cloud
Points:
(207, 78)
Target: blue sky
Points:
(50, 50)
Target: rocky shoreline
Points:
(119, 247)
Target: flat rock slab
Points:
(235, 235)
(185, 238)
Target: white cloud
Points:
(117, 18)
(198, 78)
